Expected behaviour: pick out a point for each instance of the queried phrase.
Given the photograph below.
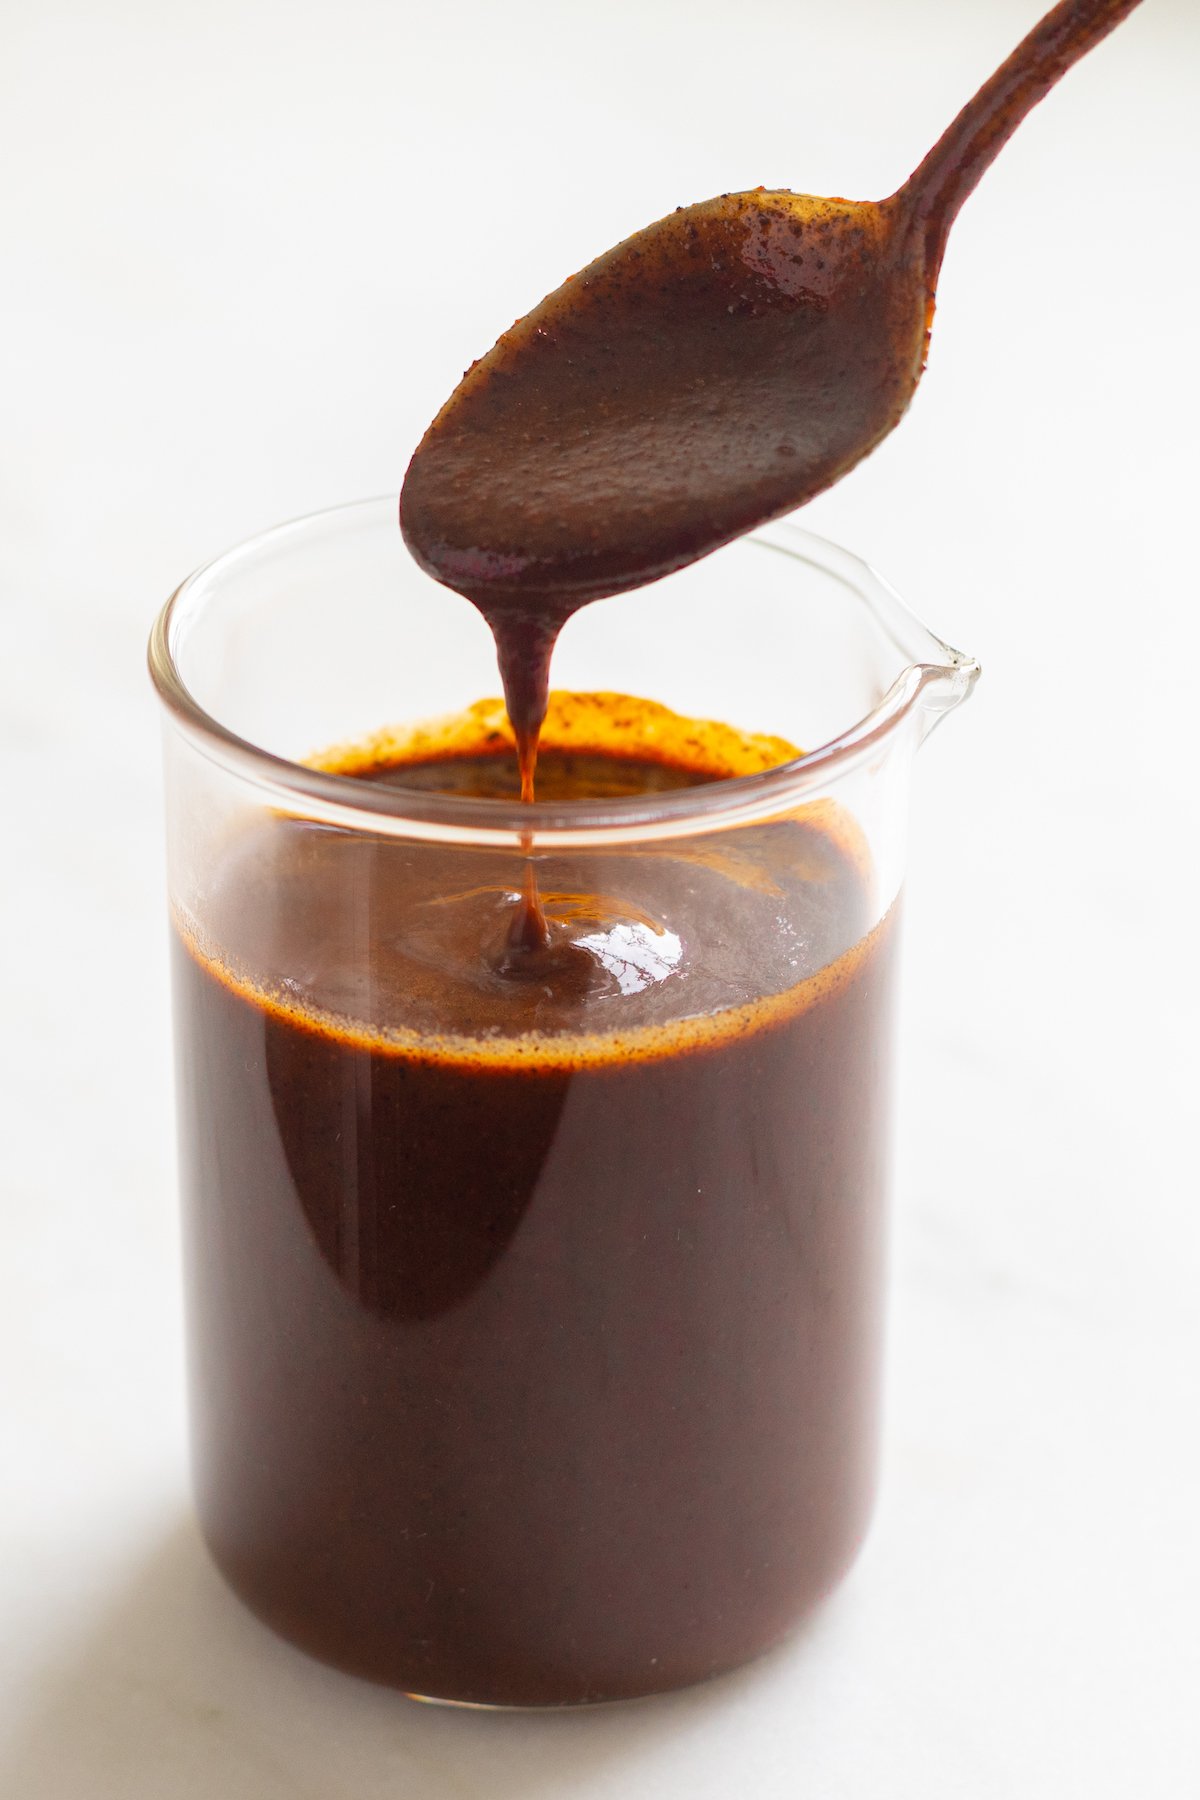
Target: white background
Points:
(245, 251)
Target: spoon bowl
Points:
(711, 372)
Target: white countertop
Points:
(230, 242)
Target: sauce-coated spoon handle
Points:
(935, 190)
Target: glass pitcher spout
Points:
(945, 685)
(935, 677)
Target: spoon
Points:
(711, 372)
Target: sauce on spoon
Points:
(710, 373)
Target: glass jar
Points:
(534, 1347)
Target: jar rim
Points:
(935, 678)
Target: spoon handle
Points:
(935, 190)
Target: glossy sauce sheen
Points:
(534, 1326)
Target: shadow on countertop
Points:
(182, 1695)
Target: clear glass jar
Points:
(534, 1363)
